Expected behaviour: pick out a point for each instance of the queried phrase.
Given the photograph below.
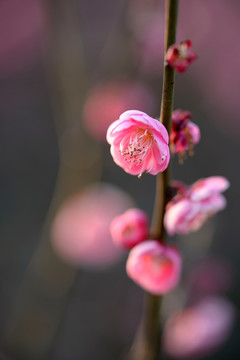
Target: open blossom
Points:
(139, 143)
(130, 228)
(192, 206)
(154, 266)
(184, 133)
(180, 56)
(200, 329)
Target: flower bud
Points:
(154, 266)
(180, 56)
(130, 228)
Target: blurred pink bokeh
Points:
(21, 32)
(80, 232)
(107, 101)
(147, 41)
(199, 329)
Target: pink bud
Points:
(130, 228)
(139, 143)
(189, 209)
(154, 266)
(180, 56)
(184, 133)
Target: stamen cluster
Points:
(137, 149)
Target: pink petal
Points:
(159, 159)
(194, 132)
(174, 213)
(204, 187)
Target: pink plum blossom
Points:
(192, 206)
(199, 329)
(154, 266)
(80, 232)
(139, 143)
(180, 56)
(130, 228)
(184, 133)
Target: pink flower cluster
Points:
(151, 264)
(184, 133)
(180, 56)
(193, 205)
(139, 143)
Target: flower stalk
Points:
(147, 342)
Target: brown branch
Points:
(147, 342)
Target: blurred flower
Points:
(190, 208)
(80, 231)
(147, 30)
(107, 101)
(180, 56)
(130, 228)
(184, 133)
(21, 28)
(200, 329)
(139, 143)
(154, 266)
(204, 188)
(183, 216)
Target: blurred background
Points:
(67, 70)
